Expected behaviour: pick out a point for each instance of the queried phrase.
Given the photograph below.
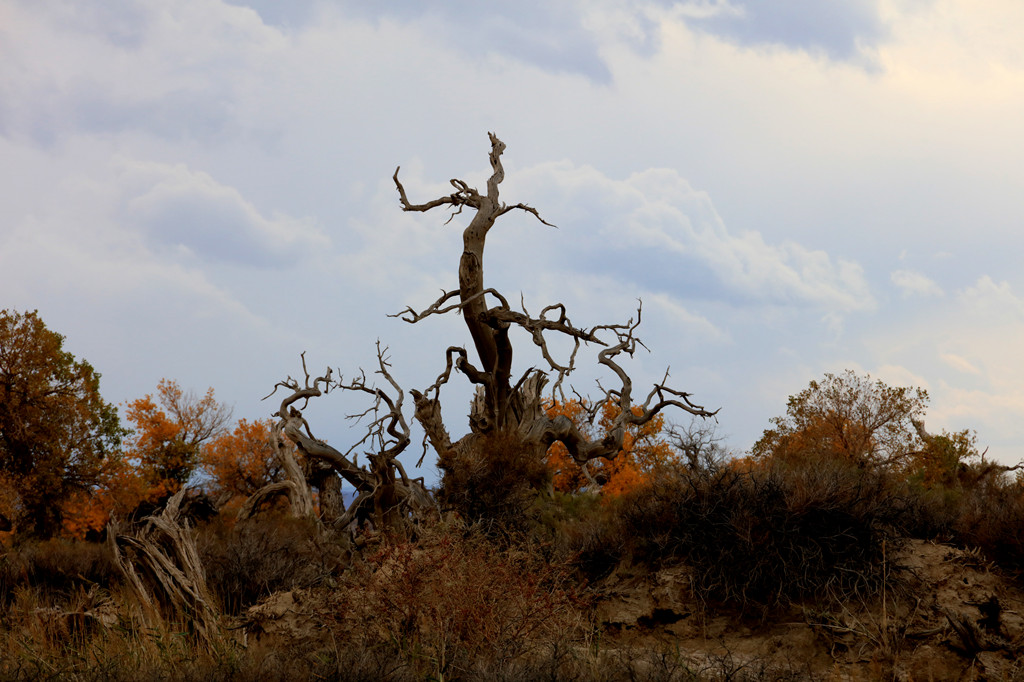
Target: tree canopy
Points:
(56, 431)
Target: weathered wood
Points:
(498, 405)
(161, 564)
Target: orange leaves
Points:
(241, 461)
(156, 461)
(846, 417)
(122, 487)
(568, 476)
(168, 441)
(643, 450)
(55, 429)
(945, 460)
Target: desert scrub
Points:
(763, 538)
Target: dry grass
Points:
(464, 602)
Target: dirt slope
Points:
(947, 616)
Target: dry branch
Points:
(162, 566)
(498, 405)
(385, 494)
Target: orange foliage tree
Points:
(238, 463)
(56, 432)
(846, 417)
(644, 449)
(158, 459)
(168, 441)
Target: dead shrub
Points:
(57, 567)
(990, 518)
(454, 602)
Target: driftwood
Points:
(162, 566)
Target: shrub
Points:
(990, 518)
(454, 601)
(58, 567)
(765, 538)
(256, 558)
(497, 480)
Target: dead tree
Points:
(161, 564)
(502, 406)
(385, 494)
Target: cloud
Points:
(915, 284)
(958, 363)
(183, 209)
(111, 67)
(837, 28)
(549, 35)
(674, 239)
(967, 346)
(994, 300)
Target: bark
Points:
(162, 566)
(498, 405)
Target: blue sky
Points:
(200, 190)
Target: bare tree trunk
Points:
(328, 483)
(500, 406)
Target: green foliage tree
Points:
(55, 428)
(847, 417)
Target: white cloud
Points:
(915, 284)
(180, 208)
(998, 301)
(839, 30)
(959, 363)
(178, 72)
(658, 213)
(896, 375)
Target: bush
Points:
(56, 567)
(764, 538)
(453, 602)
(990, 518)
(496, 481)
(256, 558)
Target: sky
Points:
(201, 191)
